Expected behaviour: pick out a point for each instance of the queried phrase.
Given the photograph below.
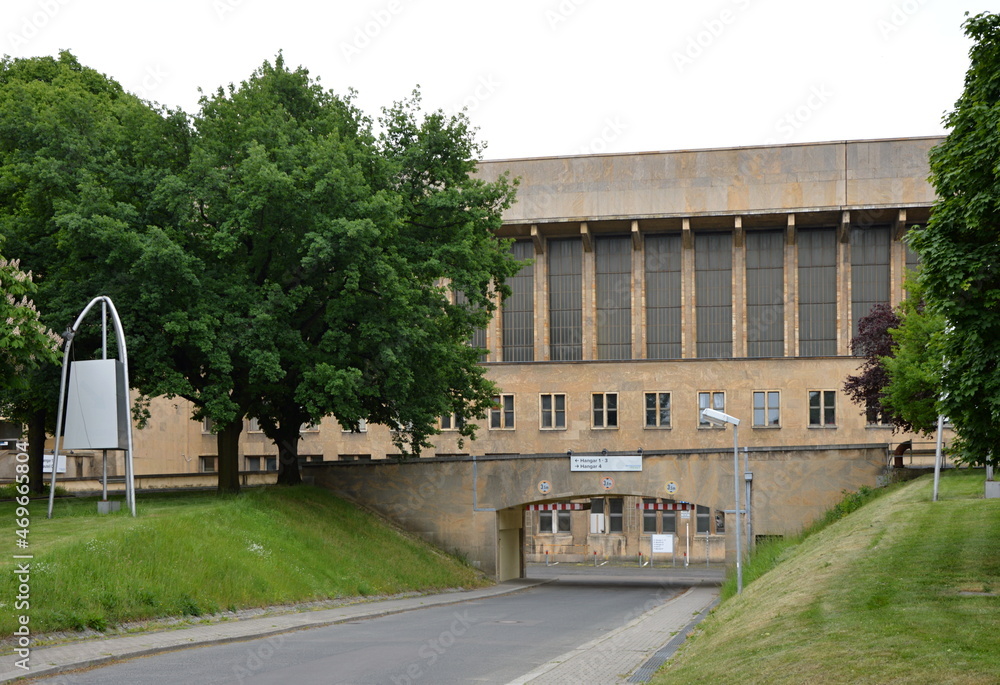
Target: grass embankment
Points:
(194, 554)
(903, 590)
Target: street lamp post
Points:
(720, 419)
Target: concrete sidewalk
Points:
(612, 658)
(88, 653)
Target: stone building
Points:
(660, 284)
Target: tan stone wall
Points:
(722, 181)
(455, 502)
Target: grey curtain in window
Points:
(817, 292)
(765, 257)
(519, 309)
(713, 277)
(869, 270)
(613, 258)
(663, 296)
(565, 299)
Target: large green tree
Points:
(960, 250)
(338, 248)
(82, 166)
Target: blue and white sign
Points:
(604, 463)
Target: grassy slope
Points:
(191, 554)
(874, 598)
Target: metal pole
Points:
(748, 480)
(736, 493)
(937, 458)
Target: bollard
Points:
(640, 559)
(546, 557)
(595, 558)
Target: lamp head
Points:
(718, 418)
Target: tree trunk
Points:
(36, 451)
(229, 457)
(287, 441)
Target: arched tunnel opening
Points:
(607, 530)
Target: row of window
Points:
(814, 281)
(657, 410)
(607, 515)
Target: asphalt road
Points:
(493, 640)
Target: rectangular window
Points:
(716, 400)
(478, 339)
(616, 519)
(817, 292)
(713, 281)
(502, 413)
(554, 522)
(565, 299)
(563, 521)
(657, 410)
(663, 296)
(519, 309)
(703, 520)
(452, 422)
(605, 406)
(552, 411)
(668, 522)
(649, 517)
(253, 426)
(253, 463)
(362, 427)
(765, 293)
(869, 270)
(613, 261)
(206, 425)
(597, 520)
(545, 522)
(822, 408)
(206, 464)
(766, 409)
(271, 463)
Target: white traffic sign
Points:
(602, 463)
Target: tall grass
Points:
(194, 554)
(768, 553)
(901, 590)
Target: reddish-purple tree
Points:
(873, 342)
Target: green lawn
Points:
(903, 590)
(192, 554)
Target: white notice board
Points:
(606, 464)
(663, 544)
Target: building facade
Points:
(656, 285)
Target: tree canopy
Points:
(271, 256)
(960, 250)
(82, 163)
(25, 343)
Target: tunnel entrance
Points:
(623, 529)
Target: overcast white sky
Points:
(550, 77)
